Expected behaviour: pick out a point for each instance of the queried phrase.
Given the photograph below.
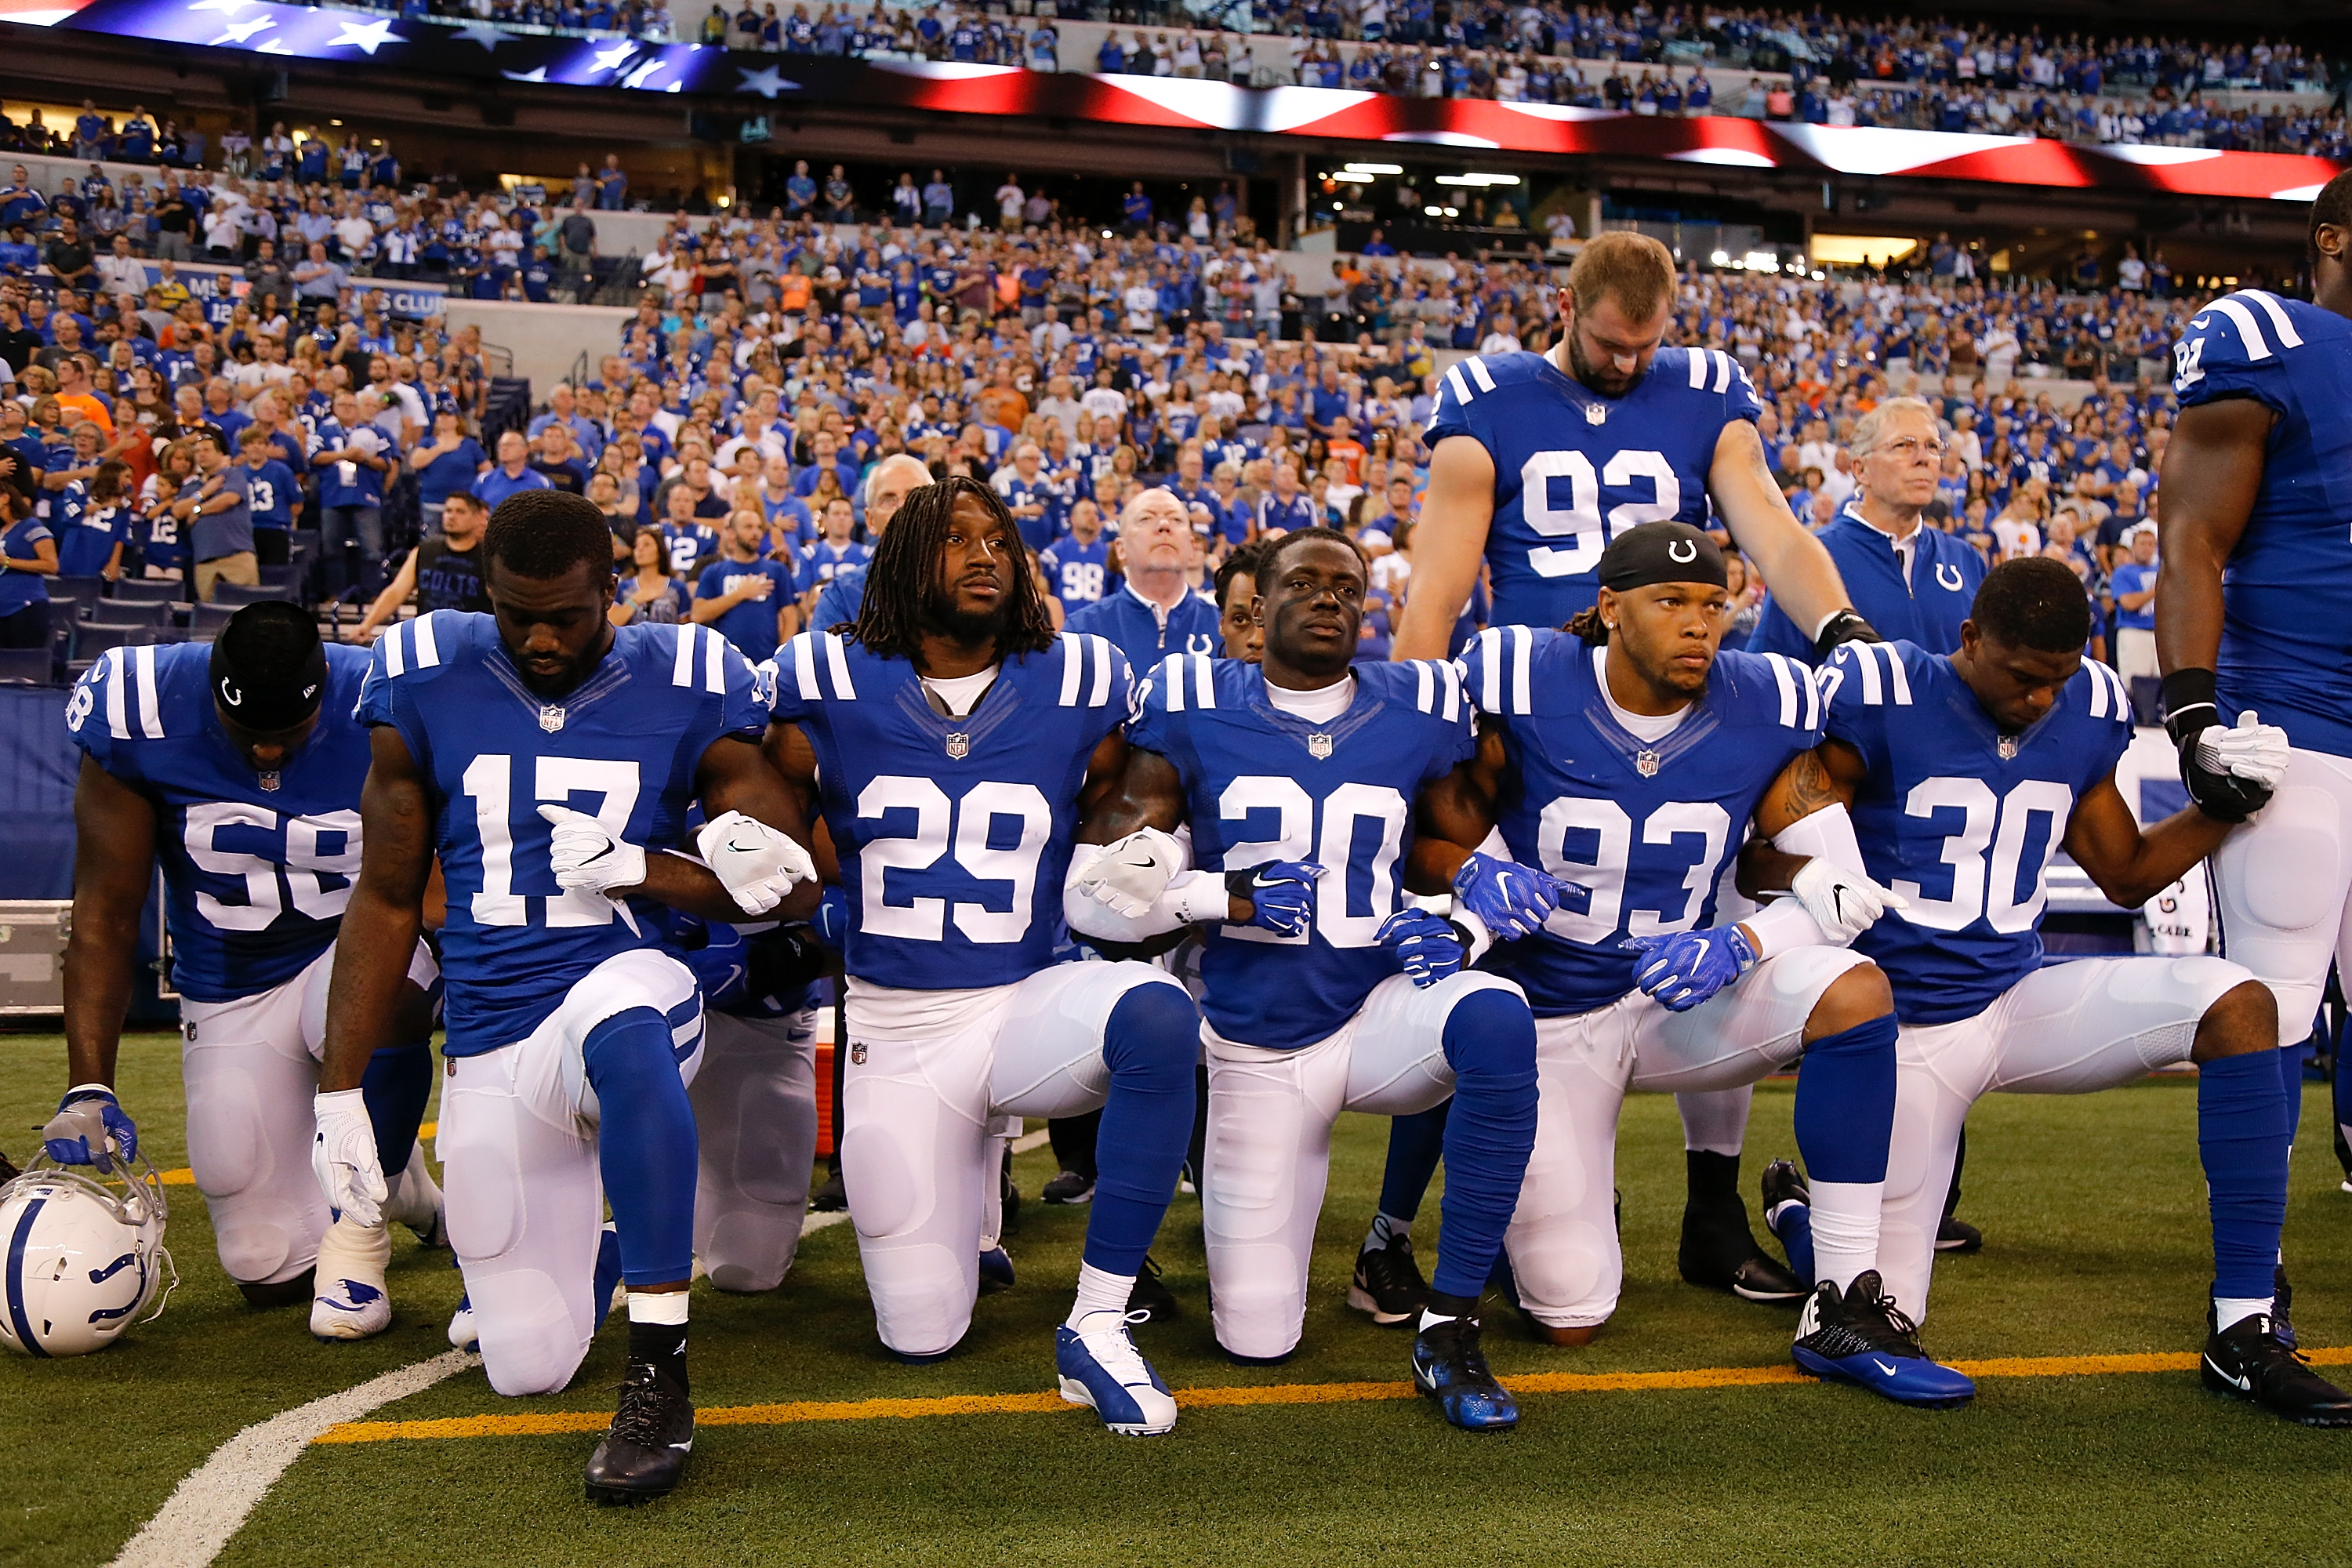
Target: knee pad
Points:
(1568, 1271)
(1259, 1304)
(922, 1296)
(750, 1251)
(1490, 1034)
(529, 1342)
(228, 1143)
(257, 1249)
(1153, 1028)
(2288, 873)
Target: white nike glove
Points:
(587, 857)
(756, 864)
(1844, 903)
(1129, 875)
(343, 1156)
(2250, 750)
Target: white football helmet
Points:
(82, 1258)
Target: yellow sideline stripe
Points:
(558, 1421)
(184, 1177)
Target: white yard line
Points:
(213, 1500)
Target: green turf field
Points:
(2094, 1207)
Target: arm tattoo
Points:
(1807, 787)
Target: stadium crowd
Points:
(1933, 75)
(773, 366)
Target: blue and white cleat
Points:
(1863, 1338)
(463, 1334)
(995, 1271)
(1102, 1369)
(348, 1300)
(1449, 1366)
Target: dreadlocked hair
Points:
(906, 565)
(1588, 626)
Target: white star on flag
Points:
(766, 83)
(366, 36)
(639, 77)
(610, 59)
(230, 7)
(482, 33)
(237, 32)
(536, 73)
(274, 46)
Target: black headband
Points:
(266, 675)
(1662, 552)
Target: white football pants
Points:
(1563, 1239)
(2070, 1028)
(2281, 883)
(526, 1199)
(251, 1070)
(922, 1119)
(755, 1122)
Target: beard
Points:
(966, 626)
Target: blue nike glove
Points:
(1686, 968)
(1431, 946)
(1281, 894)
(87, 1118)
(831, 921)
(1511, 900)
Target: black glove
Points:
(2190, 709)
(1846, 626)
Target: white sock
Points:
(2231, 1310)
(1385, 1229)
(665, 1307)
(1714, 1121)
(1098, 1291)
(1846, 1229)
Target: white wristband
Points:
(1196, 897)
(1782, 924)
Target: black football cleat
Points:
(2249, 1360)
(1863, 1338)
(830, 1196)
(1150, 1297)
(644, 1452)
(2281, 1304)
(1449, 1366)
(1387, 1284)
(1718, 1253)
(1956, 1234)
(1783, 1184)
(1069, 1188)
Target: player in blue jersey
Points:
(1077, 564)
(571, 1034)
(238, 767)
(1537, 461)
(1627, 755)
(1951, 781)
(1299, 778)
(1910, 581)
(951, 738)
(2253, 591)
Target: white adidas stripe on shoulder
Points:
(1793, 707)
(2250, 331)
(2282, 325)
(1876, 687)
(836, 664)
(1458, 385)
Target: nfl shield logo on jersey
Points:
(959, 746)
(1647, 764)
(1596, 414)
(551, 718)
(1318, 746)
(2009, 748)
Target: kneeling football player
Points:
(1628, 754)
(1299, 779)
(1952, 780)
(549, 763)
(238, 766)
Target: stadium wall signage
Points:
(482, 51)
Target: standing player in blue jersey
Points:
(238, 767)
(1951, 781)
(1627, 755)
(2253, 591)
(1299, 778)
(1077, 564)
(571, 1034)
(1537, 462)
(1155, 611)
(951, 739)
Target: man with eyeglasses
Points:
(1913, 583)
